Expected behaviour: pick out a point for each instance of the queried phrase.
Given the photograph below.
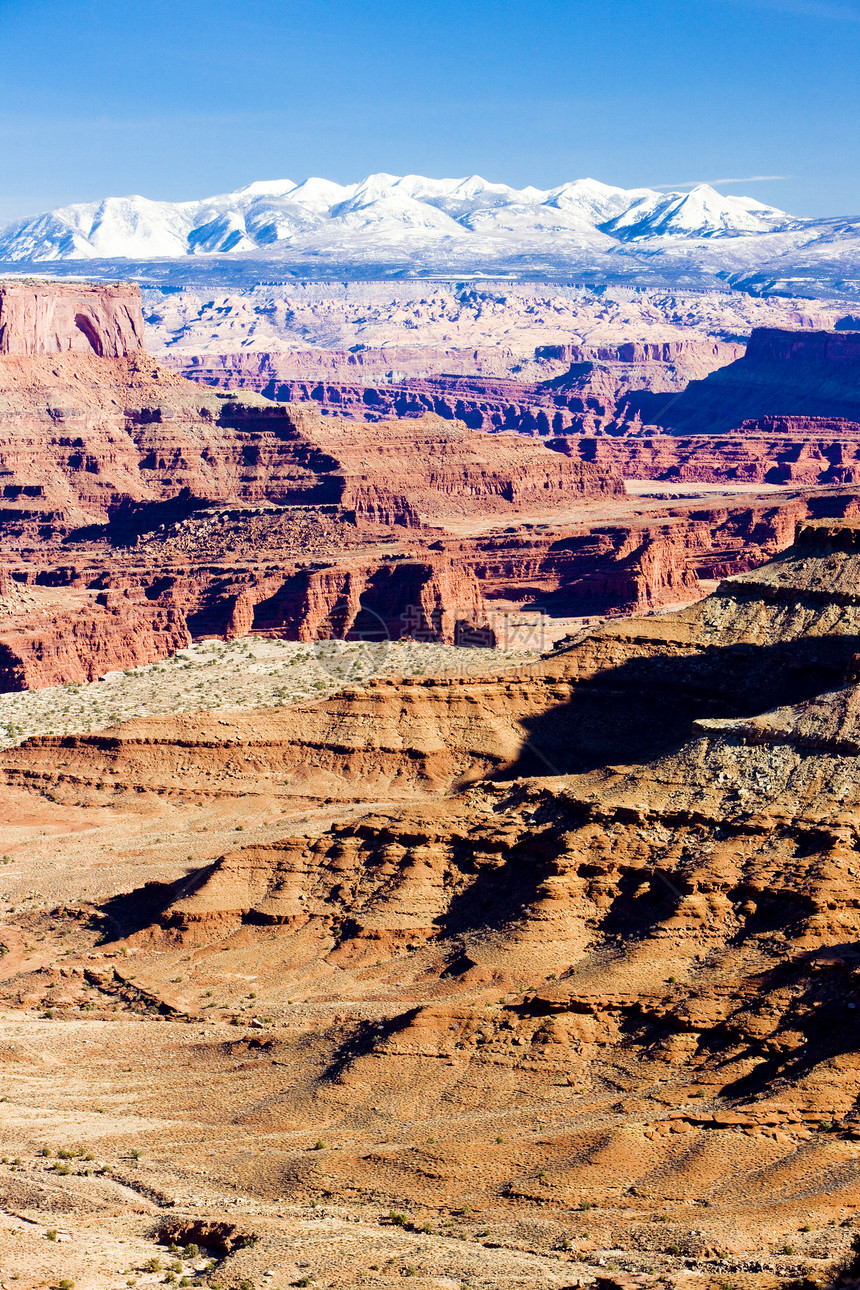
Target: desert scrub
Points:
(239, 674)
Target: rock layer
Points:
(589, 390)
(55, 318)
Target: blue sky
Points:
(181, 99)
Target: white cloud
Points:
(715, 183)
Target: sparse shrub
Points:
(191, 1251)
(673, 1249)
(51, 1234)
(396, 1218)
(788, 1249)
(319, 1146)
(45, 1151)
(152, 1265)
(61, 1169)
(65, 1284)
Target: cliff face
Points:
(592, 395)
(782, 373)
(59, 318)
(686, 388)
(774, 450)
(84, 434)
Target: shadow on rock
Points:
(645, 708)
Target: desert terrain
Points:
(426, 853)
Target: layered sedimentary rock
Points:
(587, 392)
(594, 983)
(782, 373)
(85, 435)
(773, 450)
(100, 450)
(53, 638)
(59, 318)
(797, 384)
(648, 914)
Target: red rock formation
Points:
(82, 435)
(59, 318)
(591, 396)
(809, 451)
(782, 373)
(77, 633)
(692, 355)
(80, 636)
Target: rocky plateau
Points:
(520, 952)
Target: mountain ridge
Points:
(268, 213)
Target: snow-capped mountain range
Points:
(414, 226)
(266, 216)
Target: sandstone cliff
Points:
(589, 390)
(782, 373)
(772, 450)
(59, 318)
(84, 434)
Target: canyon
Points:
(141, 511)
(530, 965)
(517, 977)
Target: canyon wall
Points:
(82, 435)
(796, 450)
(586, 391)
(59, 318)
(684, 388)
(782, 373)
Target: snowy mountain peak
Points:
(701, 212)
(404, 213)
